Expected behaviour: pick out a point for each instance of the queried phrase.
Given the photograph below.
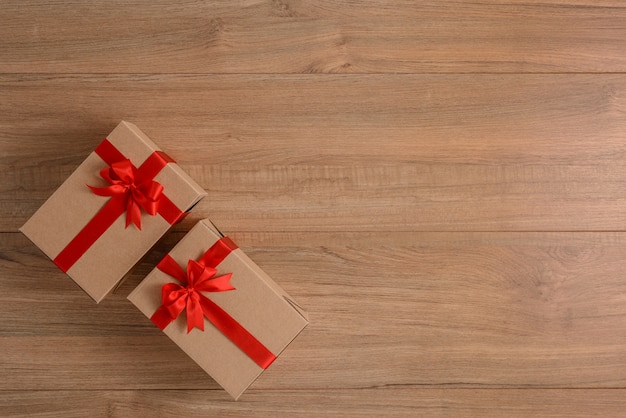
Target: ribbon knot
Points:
(176, 298)
(131, 190)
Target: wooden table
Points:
(441, 184)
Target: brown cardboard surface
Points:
(258, 305)
(73, 205)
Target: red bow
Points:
(134, 191)
(176, 298)
(131, 188)
(200, 278)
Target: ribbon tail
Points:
(215, 284)
(194, 314)
(108, 190)
(133, 213)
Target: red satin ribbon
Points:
(131, 190)
(135, 192)
(200, 277)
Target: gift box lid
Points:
(72, 209)
(258, 304)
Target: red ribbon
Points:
(200, 277)
(131, 189)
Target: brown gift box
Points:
(73, 205)
(257, 303)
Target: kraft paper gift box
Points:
(219, 307)
(112, 209)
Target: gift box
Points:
(112, 209)
(219, 307)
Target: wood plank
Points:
(539, 310)
(363, 402)
(290, 36)
(307, 119)
(276, 153)
(386, 162)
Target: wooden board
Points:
(454, 309)
(302, 153)
(439, 183)
(283, 36)
(394, 401)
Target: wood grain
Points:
(439, 183)
(287, 36)
(453, 309)
(426, 152)
(363, 402)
